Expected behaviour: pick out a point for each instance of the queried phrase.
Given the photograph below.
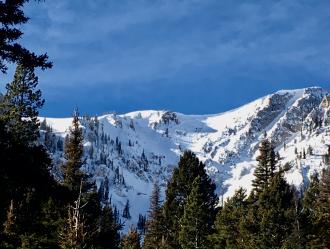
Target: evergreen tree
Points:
(154, 238)
(309, 203)
(228, 233)
(92, 212)
(131, 240)
(20, 106)
(321, 238)
(11, 16)
(73, 153)
(126, 211)
(276, 213)
(298, 237)
(178, 189)
(194, 225)
(109, 236)
(141, 224)
(43, 125)
(74, 179)
(51, 216)
(266, 166)
(24, 171)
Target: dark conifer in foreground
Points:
(178, 189)
(309, 203)
(194, 225)
(72, 174)
(11, 18)
(24, 173)
(266, 166)
(20, 106)
(276, 213)
(109, 236)
(228, 231)
(321, 231)
(154, 238)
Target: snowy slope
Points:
(133, 149)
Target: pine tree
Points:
(110, 227)
(297, 238)
(92, 214)
(43, 125)
(73, 153)
(24, 171)
(154, 238)
(20, 106)
(266, 166)
(194, 225)
(104, 191)
(228, 230)
(126, 211)
(276, 212)
(131, 240)
(11, 16)
(141, 224)
(78, 182)
(178, 189)
(309, 203)
(310, 196)
(321, 236)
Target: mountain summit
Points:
(129, 151)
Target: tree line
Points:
(273, 215)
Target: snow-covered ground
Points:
(134, 149)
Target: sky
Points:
(190, 56)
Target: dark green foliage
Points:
(194, 225)
(73, 153)
(298, 237)
(271, 217)
(11, 16)
(110, 227)
(228, 230)
(131, 240)
(24, 173)
(266, 166)
(99, 226)
(311, 194)
(154, 238)
(92, 212)
(20, 106)
(33, 206)
(276, 213)
(321, 224)
(178, 189)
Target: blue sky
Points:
(191, 56)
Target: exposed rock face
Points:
(131, 150)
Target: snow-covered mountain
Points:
(129, 151)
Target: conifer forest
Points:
(69, 189)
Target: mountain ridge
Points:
(135, 148)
